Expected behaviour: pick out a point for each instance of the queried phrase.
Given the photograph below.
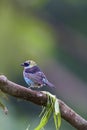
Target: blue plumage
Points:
(33, 76)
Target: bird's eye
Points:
(26, 64)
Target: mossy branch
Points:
(40, 98)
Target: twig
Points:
(40, 98)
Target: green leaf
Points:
(52, 107)
(57, 115)
(3, 107)
(44, 118)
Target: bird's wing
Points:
(37, 77)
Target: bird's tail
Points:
(50, 84)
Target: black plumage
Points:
(32, 70)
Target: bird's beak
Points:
(22, 64)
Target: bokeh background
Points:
(54, 34)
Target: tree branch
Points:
(40, 98)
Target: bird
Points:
(33, 75)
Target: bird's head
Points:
(28, 64)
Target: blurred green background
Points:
(54, 34)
